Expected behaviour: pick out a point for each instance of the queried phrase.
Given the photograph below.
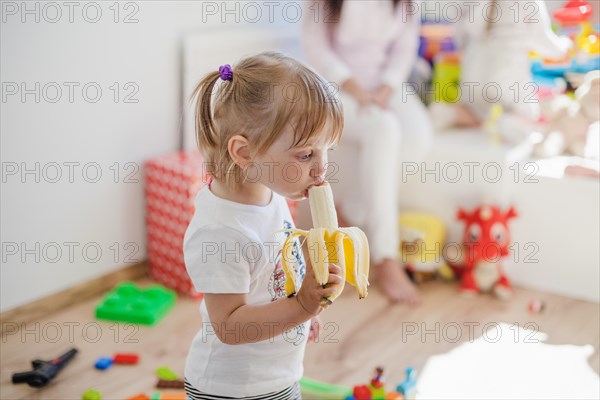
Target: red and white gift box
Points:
(172, 182)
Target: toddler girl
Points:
(264, 128)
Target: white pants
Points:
(367, 165)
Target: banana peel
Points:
(328, 244)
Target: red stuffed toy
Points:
(486, 241)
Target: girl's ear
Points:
(239, 150)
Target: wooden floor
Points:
(356, 336)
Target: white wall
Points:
(102, 213)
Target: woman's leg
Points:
(416, 126)
(416, 141)
(376, 133)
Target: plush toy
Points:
(571, 125)
(422, 239)
(486, 241)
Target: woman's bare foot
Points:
(394, 282)
(465, 117)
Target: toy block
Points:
(362, 392)
(173, 396)
(166, 374)
(103, 363)
(164, 384)
(140, 396)
(377, 393)
(91, 394)
(126, 358)
(128, 303)
(393, 396)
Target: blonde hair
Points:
(267, 93)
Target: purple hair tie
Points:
(226, 72)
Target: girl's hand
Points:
(315, 327)
(381, 96)
(311, 293)
(363, 97)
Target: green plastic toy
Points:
(128, 303)
(377, 393)
(166, 374)
(91, 394)
(446, 81)
(312, 389)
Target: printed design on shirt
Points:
(277, 280)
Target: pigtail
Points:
(206, 135)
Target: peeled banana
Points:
(328, 243)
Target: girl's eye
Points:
(306, 156)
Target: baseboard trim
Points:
(58, 301)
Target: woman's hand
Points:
(381, 96)
(363, 97)
(315, 327)
(311, 294)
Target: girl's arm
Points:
(236, 322)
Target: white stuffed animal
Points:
(572, 125)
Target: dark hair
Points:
(335, 8)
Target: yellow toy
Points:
(422, 242)
(328, 243)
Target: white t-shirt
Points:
(232, 248)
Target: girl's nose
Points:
(319, 169)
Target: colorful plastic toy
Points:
(422, 241)
(378, 381)
(434, 39)
(43, 371)
(536, 306)
(91, 394)
(313, 389)
(362, 392)
(575, 12)
(173, 396)
(446, 78)
(574, 21)
(394, 396)
(166, 374)
(375, 390)
(126, 358)
(164, 384)
(486, 241)
(408, 387)
(128, 303)
(377, 393)
(141, 396)
(103, 363)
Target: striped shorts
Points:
(289, 393)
